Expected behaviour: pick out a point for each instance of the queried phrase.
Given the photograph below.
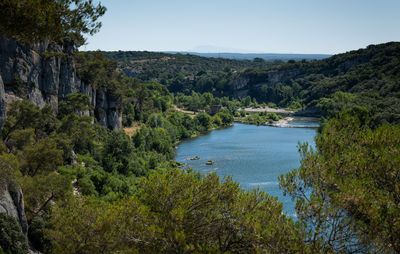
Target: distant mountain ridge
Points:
(251, 56)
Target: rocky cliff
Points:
(284, 75)
(46, 73)
(3, 105)
(12, 204)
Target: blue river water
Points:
(253, 155)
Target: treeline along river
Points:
(253, 155)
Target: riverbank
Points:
(269, 110)
(308, 112)
(287, 122)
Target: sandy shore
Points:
(285, 122)
(269, 110)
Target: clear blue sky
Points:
(268, 26)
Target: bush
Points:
(11, 237)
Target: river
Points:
(253, 155)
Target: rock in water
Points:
(210, 162)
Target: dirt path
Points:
(130, 131)
(191, 113)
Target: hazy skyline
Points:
(259, 26)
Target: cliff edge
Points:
(45, 73)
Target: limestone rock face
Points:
(45, 73)
(12, 203)
(239, 83)
(281, 76)
(3, 105)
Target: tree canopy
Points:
(348, 191)
(38, 20)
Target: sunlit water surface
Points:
(253, 155)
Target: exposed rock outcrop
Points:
(239, 83)
(281, 76)
(3, 105)
(45, 73)
(12, 203)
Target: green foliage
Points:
(80, 131)
(118, 154)
(11, 237)
(94, 69)
(182, 72)
(154, 139)
(184, 124)
(347, 191)
(86, 186)
(91, 190)
(24, 115)
(76, 227)
(371, 74)
(3, 147)
(75, 103)
(128, 114)
(205, 215)
(175, 212)
(9, 170)
(43, 157)
(339, 102)
(35, 20)
(40, 190)
(48, 54)
(217, 120)
(226, 118)
(36, 233)
(204, 121)
(261, 118)
(21, 115)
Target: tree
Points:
(176, 212)
(154, 139)
(118, 153)
(201, 214)
(18, 139)
(81, 131)
(37, 20)
(155, 120)
(246, 101)
(9, 170)
(75, 103)
(41, 190)
(76, 227)
(348, 191)
(11, 237)
(340, 100)
(226, 117)
(24, 115)
(21, 115)
(204, 121)
(43, 157)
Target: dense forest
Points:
(184, 72)
(89, 189)
(371, 75)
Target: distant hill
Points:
(371, 74)
(147, 65)
(251, 56)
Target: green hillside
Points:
(371, 75)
